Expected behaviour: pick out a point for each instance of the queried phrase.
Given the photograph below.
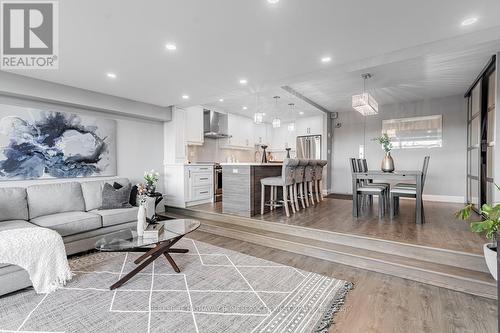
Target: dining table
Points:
(406, 176)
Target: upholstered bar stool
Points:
(299, 178)
(308, 178)
(318, 178)
(285, 181)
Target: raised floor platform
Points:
(442, 252)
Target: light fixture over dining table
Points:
(365, 103)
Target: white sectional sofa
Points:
(70, 208)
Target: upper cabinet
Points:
(282, 138)
(262, 134)
(309, 126)
(241, 132)
(194, 125)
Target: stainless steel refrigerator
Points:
(309, 147)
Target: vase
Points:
(264, 154)
(490, 255)
(151, 188)
(141, 220)
(387, 163)
(288, 152)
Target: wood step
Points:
(440, 275)
(458, 259)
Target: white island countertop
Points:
(252, 164)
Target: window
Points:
(416, 132)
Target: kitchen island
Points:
(241, 189)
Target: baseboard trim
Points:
(444, 198)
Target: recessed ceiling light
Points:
(221, 99)
(469, 21)
(273, 2)
(263, 113)
(243, 81)
(171, 46)
(326, 59)
(244, 108)
(301, 113)
(185, 96)
(111, 75)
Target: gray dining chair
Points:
(406, 190)
(318, 179)
(299, 178)
(309, 178)
(364, 191)
(363, 167)
(285, 181)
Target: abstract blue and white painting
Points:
(37, 144)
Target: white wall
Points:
(447, 166)
(139, 143)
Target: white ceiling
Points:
(264, 102)
(220, 41)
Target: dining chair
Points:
(308, 178)
(364, 191)
(318, 179)
(406, 190)
(299, 178)
(285, 181)
(363, 167)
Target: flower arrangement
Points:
(385, 141)
(142, 194)
(151, 179)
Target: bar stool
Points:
(318, 178)
(308, 178)
(286, 181)
(299, 178)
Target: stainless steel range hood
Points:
(214, 124)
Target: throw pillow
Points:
(115, 198)
(133, 196)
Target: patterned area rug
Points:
(218, 290)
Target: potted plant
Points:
(151, 179)
(490, 225)
(387, 162)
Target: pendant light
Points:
(276, 120)
(365, 103)
(291, 125)
(258, 117)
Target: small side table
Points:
(158, 198)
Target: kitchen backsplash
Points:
(211, 152)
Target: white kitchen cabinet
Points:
(282, 138)
(194, 125)
(262, 134)
(188, 185)
(309, 126)
(241, 132)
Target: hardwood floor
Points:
(382, 303)
(441, 229)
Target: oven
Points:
(217, 182)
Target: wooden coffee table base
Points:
(161, 248)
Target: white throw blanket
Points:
(40, 252)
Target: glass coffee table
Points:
(127, 241)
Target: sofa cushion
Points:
(15, 224)
(117, 216)
(13, 204)
(92, 192)
(115, 198)
(48, 199)
(69, 223)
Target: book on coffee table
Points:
(153, 231)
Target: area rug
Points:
(218, 290)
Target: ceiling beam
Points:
(305, 99)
